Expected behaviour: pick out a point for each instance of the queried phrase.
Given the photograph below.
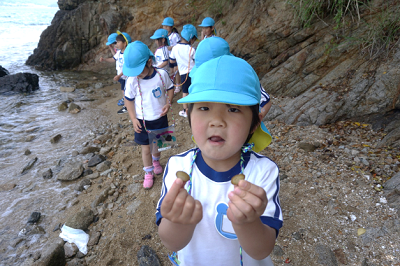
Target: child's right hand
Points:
(116, 78)
(101, 59)
(136, 126)
(180, 207)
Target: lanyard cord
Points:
(141, 100)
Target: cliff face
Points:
(320, 72)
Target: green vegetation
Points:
(382, 34)
(309, 10)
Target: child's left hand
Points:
(165, 109)
(247, 203)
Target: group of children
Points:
(225, 104)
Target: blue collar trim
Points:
(152, 75)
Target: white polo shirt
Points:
(119, 62)
(183, 53)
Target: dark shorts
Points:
(142, 138)
(185, 86)
(122, 81)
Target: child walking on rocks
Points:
(182, 55)
(122, 39)
(211, 219)
(148, 97)
(174, 38)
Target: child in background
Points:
(209, 220)
(162, 54)
(215, 47)
(208, 28)
(146, 101)
(182, 55)
(111, 41)
(123, 39)
(174, 38)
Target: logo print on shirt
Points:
(157, 92)
(222, 223)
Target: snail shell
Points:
(182, 175)
(235, 179)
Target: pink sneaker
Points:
(148, 180)
(157, 167)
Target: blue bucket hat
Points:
(235, 82)
(160, 33)
(207, 22)
(208, 49)
(112, 38)
(168, 22)
(136, 55)
(126, 36)
(188, 32)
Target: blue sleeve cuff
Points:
(272, 222)
(130, 99)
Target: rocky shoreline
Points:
(339, 194)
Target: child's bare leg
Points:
(148, 166)
(146, 156)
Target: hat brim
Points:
(108, 43)
(226, 97)
(192, 72)
(133, 72)
(261, 138)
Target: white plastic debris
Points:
(76, 236)
(382, 200)
(353, 217)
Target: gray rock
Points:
(70, 249)
(95, 160)
(94, 238)
(3, 72)
(89, 149)
(82, 184)
(27, 152)
(105, 150)
(131, 208)
(278, 251)
(16, 241)
(63, 106)
(34, 218)
(325, 255)
(53, 254)
(48, 174)
(100, 198)
(55, 138)
(103, 166)
(67, 89)
(73, 108)
(80, 220)
(393, 183)
(373, 233)
(29, 165)
(133, 188)
(307, 146)
(70, 171)
(19, 83)
(93, 176)
(147, 257)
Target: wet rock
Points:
(101, 167)
(147, 257)
(57, 227)
(27, 152)
(95, 160)
(7, 187)
(48, 174)
(87, 172)
(89, 149)
(34, 230)
(53, 254)
(80, 220)
(70, 171)
(34, 218)
(73, 108)
(29, 165)
(67, 89)
(80, 255)
(94, 238)
(3, 72)
(55, 138)
(93, 176)
(307, 146)
(75, 153)
(325, 255)
(82, 184)
(390, 139)
(63, 106)
(70, 249)
(19, 83)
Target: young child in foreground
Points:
(148, 97)
(208, 220)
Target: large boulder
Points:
(19, 83)
(3, 72)
(69, 4)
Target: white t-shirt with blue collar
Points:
(183, 53)
(152, 91)
(214, 241)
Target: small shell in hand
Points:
(235, 180)
(182, 175)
